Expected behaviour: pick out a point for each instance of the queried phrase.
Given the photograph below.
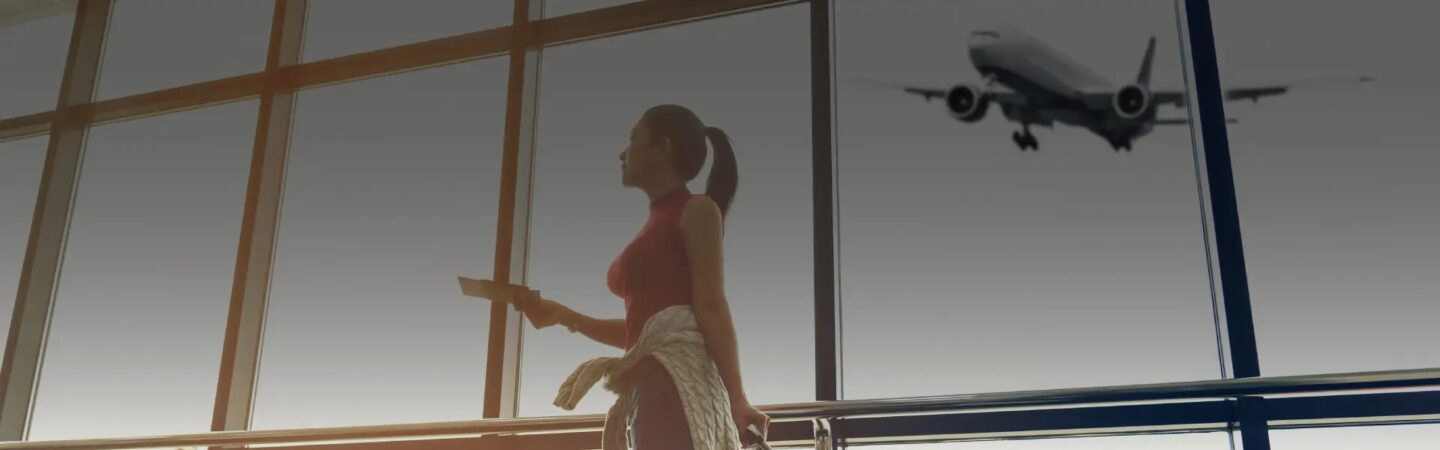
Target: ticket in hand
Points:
(490, 290)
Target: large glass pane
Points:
(157, 44)
(748, 75)
(139, 314)
(21, 163)
(1391, 437)
(1336, 179)
(391, 192)
(971, 264)
(1188, 441)
(555, 8)
(33, 43)
(341, 27)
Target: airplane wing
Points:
(928, 93)
(996, 93)
(1177, 97)
(1161, 122)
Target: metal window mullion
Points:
(249, 296)
(1222, 352)
(512, 233)
(570, 28)
(1230, 251)
(29, 125)
(35, 301)
(1239, 323)
(520, 240)
(827, 306)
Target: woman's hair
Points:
(687, 136)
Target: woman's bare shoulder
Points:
(700, 207)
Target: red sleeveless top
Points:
(653, 272)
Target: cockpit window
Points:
(982, 37)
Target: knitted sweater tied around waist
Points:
(672, 336)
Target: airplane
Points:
(1035, 84)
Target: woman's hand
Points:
(541, 312)
(745, 415)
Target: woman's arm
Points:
(702, 225)
(610, 332)
(543, 313)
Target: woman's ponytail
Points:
(688, 134)
(724, 175)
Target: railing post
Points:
(824, 440)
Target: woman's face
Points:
(643, 157)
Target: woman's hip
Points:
(659, 417)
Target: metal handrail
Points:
(1228, 388)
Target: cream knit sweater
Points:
(673, 337)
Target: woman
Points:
(675, 260)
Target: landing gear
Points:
(1120, 144)
(1025, 141)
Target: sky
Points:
(1336, 187)
(966, 266)
(146, 275)
(1030, 270)
(33, 56)
(391, 192)
(20, 165)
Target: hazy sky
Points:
(966, 265)
(145, 51)
(391, 192)
(1337, 186)
(140, 309)
(32, 57)
(341, 27)
(20, 166)
(560, 8)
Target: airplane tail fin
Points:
(1144, 78)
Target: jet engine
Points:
(967, 103)
(1131, 101)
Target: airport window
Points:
(1335, 180)
(1021, 203)
(157, 44)
(560, 8)
(1391, 437)
(390, 193)
(140, 306)
(341, 27)
(20, 166)
(1185, 441)
(32, 55)
(972, 261)
(748, 75)
(1138, 442)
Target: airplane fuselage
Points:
(1056, 88)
